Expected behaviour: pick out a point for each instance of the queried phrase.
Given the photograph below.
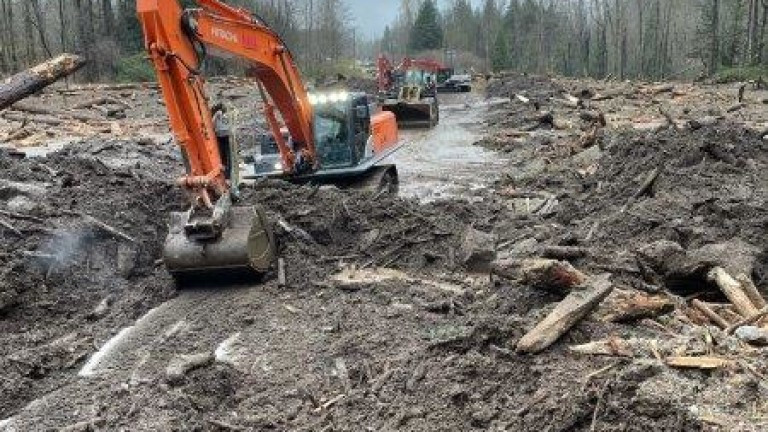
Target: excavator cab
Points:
(342, 131)
(353, 139)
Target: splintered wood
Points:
(32, 80)
(544, 274)
(565, 315)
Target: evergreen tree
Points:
(500, 54)
(426, 33)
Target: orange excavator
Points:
(325, 137)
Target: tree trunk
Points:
(714, 42)
(29, 35)
(35, 79)
(40, 24)
(62, 26)
(108, 17)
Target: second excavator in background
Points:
(409, 90)
(338, 136)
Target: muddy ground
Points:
(385, 322)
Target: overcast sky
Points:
(371, 16)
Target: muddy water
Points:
(443, 162)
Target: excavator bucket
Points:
(420, 114)
(413, 109)
(245, 247)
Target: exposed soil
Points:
(384, 324)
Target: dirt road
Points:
(443, 162)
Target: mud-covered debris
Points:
(638, 306)
(182, 364)
(539, 273)
(477, 250)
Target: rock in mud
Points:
(753, 335)
(735, 256)
(126, 259)
(8, 298)
(478, 250)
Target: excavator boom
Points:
(214, 234)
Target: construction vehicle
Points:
(339, 135)
(409, 90)
(461, 83)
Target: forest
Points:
(107, 34)
(599, 38)
(655, 39)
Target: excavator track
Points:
(382, 180)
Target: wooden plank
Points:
(567, 314)
(703, 362)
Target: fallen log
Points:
(17, 135)
(732, 289)
(34, 109)
(602, 97)
(640, 306)
(110, 87)
(663, 88)
(103, 100)
(565, 315)
(736, 107)
(19, 117)
(30, 81)
(565, 252)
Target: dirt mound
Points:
(708, 187)
(355, 84)
(510, 84)
(59, 262)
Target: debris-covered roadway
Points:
(592, 276)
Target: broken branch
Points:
(566, 314)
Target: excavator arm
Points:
(214, 234)
(176, 40)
